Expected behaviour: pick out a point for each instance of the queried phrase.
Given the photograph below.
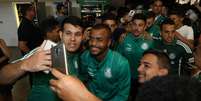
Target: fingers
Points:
(57, 74)
(53, 83)
(54, 86)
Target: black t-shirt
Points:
(27, 31)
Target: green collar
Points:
(103, 62)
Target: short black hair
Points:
(139, 16)
(167, 21)
(177, 11)
(153, 1)
(25, 8)
(150, 14)
(103, 26)
(108, 16)
(76, 21)
(59, 6)
(170, 88)
(48, 25)
(162, 58)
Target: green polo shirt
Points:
(132, 48)
(109, 79)
(159, 20)
(40, 89)
(182, 60)
(154, 31)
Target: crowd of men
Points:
(145, 56)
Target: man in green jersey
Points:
(182, 60)
(133, 46)
(152, 29)
(157, 8)
(105, 72)
(71, 35)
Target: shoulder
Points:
(184, 46)
(119, 59)
(85, 54)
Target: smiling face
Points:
(150, 68)
(72, 37)
(99, 42)
(138, 27)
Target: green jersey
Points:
(154, 31)
(159, 19)
(40, 89)
(132, 48)
(182, 60)
(109, 79)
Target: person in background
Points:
(157, 7)
(152, 29)
(109, 19)
(132, 47)
(181, 57)
(29, 36)
(185, 32)
(60, 13)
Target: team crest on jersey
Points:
(165, 50)
(108, 73)
(144, 46)
(172, 62)
(172, 56)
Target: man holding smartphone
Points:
(71, 36)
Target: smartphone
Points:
(59, 58)
(49, 44)
(131, 13)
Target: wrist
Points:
(24, 65)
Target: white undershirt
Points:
(186, 31)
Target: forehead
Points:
(150, 18)
(138, 21)
(99, 33)
(158, 3)
(168, 27)
(174, 16)
(72, 28)
(149, 58)
(109, 21)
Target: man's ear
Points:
(163, 72)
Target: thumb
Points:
(57, 74)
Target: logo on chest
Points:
(108, 73)
(172, 56)
(144, 46)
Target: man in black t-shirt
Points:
(29, 36)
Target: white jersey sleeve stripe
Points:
(186, 47)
